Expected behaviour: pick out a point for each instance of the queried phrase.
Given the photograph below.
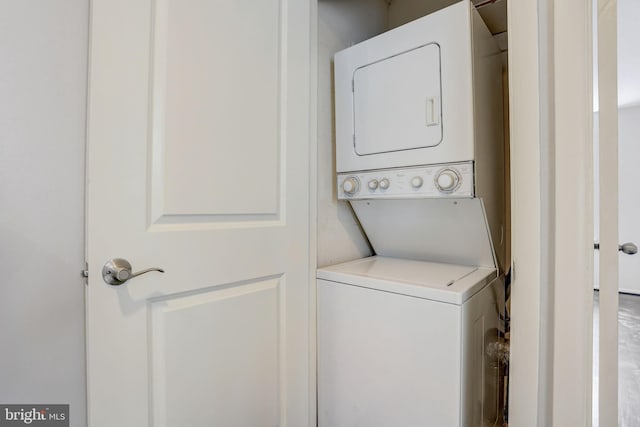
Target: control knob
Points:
(384, 183)
(447, 180)
(416, 182)
(351, 185)
(373, 184)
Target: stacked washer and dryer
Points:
(403, 335)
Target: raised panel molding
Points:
(240, 347)
(216, 113)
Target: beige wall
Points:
(341, 23)
(403, 11)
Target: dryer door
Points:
(397, 102)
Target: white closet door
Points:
(198, 154)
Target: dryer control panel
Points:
(453, 180)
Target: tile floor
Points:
(629, 360)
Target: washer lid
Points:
(448, 283)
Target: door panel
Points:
(243, 319)
(198, 74)
(197, 131)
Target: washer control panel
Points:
(448, 180)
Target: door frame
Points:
(550, 76)
(313, 208)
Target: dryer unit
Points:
(428, 92)
(419, 115)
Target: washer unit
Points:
(403, 336)
(403, 343)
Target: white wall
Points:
(341, 23)
(43, 55)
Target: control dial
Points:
(447, 180)
(384, 183)
(373, 184)
(416, 182)
(351, 185)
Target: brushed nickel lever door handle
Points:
(116, 271)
